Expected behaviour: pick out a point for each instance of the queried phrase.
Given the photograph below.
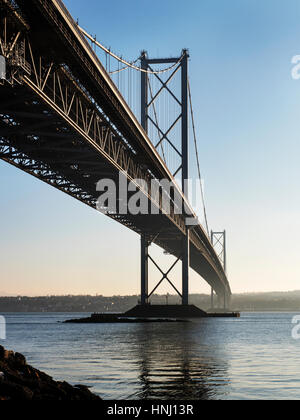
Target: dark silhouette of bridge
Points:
(64, 121)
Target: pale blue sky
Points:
(248, 121)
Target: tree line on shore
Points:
(273, 301)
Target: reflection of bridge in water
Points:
(176, 364)
(64, 121)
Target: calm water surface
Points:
(254, 357)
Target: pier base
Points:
(165, 311)
(153, 313)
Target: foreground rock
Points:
(19, 381)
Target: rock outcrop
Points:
(19, 381)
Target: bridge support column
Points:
(219, 302)
(144, 270)
(185, 268)
(224, 301)
(212, 303)
(185, 174)
(227, 302)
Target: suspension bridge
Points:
(72, 112)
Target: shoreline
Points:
(22, 382)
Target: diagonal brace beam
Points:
(165, 276)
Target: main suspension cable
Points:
(197, 157)
(126, 63)
(125, 67)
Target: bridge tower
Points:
(146, 102)
(218, 240)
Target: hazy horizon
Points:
(156, 294)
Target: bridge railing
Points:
(75, 26)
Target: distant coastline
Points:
(248, 302)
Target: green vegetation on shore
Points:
(273, 301)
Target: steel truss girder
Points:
(43, 172)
